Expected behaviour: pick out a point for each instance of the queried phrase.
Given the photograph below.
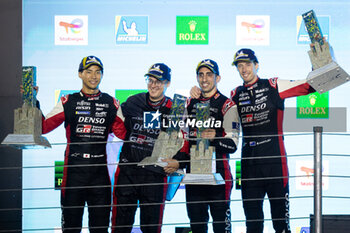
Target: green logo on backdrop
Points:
(59, 165)
(123, 94)
(314, 105)
(238, 175)
(192, 29)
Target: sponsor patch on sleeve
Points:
(227, 105)
(236, 125)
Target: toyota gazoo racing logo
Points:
(142, 139)
(247, 118)
(83, 128)
(153, 120)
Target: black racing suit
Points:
(88, 119)
(135, 184)
(215, 197)
(260, 107)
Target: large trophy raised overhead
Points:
(326, 74)
(28, 118)
(170, 142)
(203, 165)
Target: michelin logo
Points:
(151, 120)
(131, 29)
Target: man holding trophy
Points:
(136, 185)
(223, 137)
(88, 116)
(260, 105)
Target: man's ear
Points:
(218, 78)
(256, 66)
(168, 84)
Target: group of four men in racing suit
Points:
(90, 115)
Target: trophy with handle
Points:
(28, 118)
(203, 165)
(326, 74)
(169, 142)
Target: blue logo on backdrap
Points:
(131, 29)
(151, 120)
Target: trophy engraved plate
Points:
(27, 119)
(170, 142)
(203, 166)
(326, 74)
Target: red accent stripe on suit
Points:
(64, 178)
(282, 148)
(228, 181)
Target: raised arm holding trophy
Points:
(326, 74)
(27, 119)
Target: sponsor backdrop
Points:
(129, 36)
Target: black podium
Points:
(332, 223)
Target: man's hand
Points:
(172, 166)
(195, 92)
(208, 134)
(320, 55)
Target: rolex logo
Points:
(192, 24)
(312, 99)
(192, 29)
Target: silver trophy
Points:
(326, 74)
(28, 118)
(203, 165)
(170, 142)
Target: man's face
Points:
(207, 81)
(248, 71)
(91, 78)
(156, 88)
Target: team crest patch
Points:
(273, 82)
(227, 105)
(233, 92)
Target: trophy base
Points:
(203, 179)
(152, 161)
(26, 141)
(156, 165)
(327, 77)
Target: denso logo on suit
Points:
(95, 120)
(254, 108)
